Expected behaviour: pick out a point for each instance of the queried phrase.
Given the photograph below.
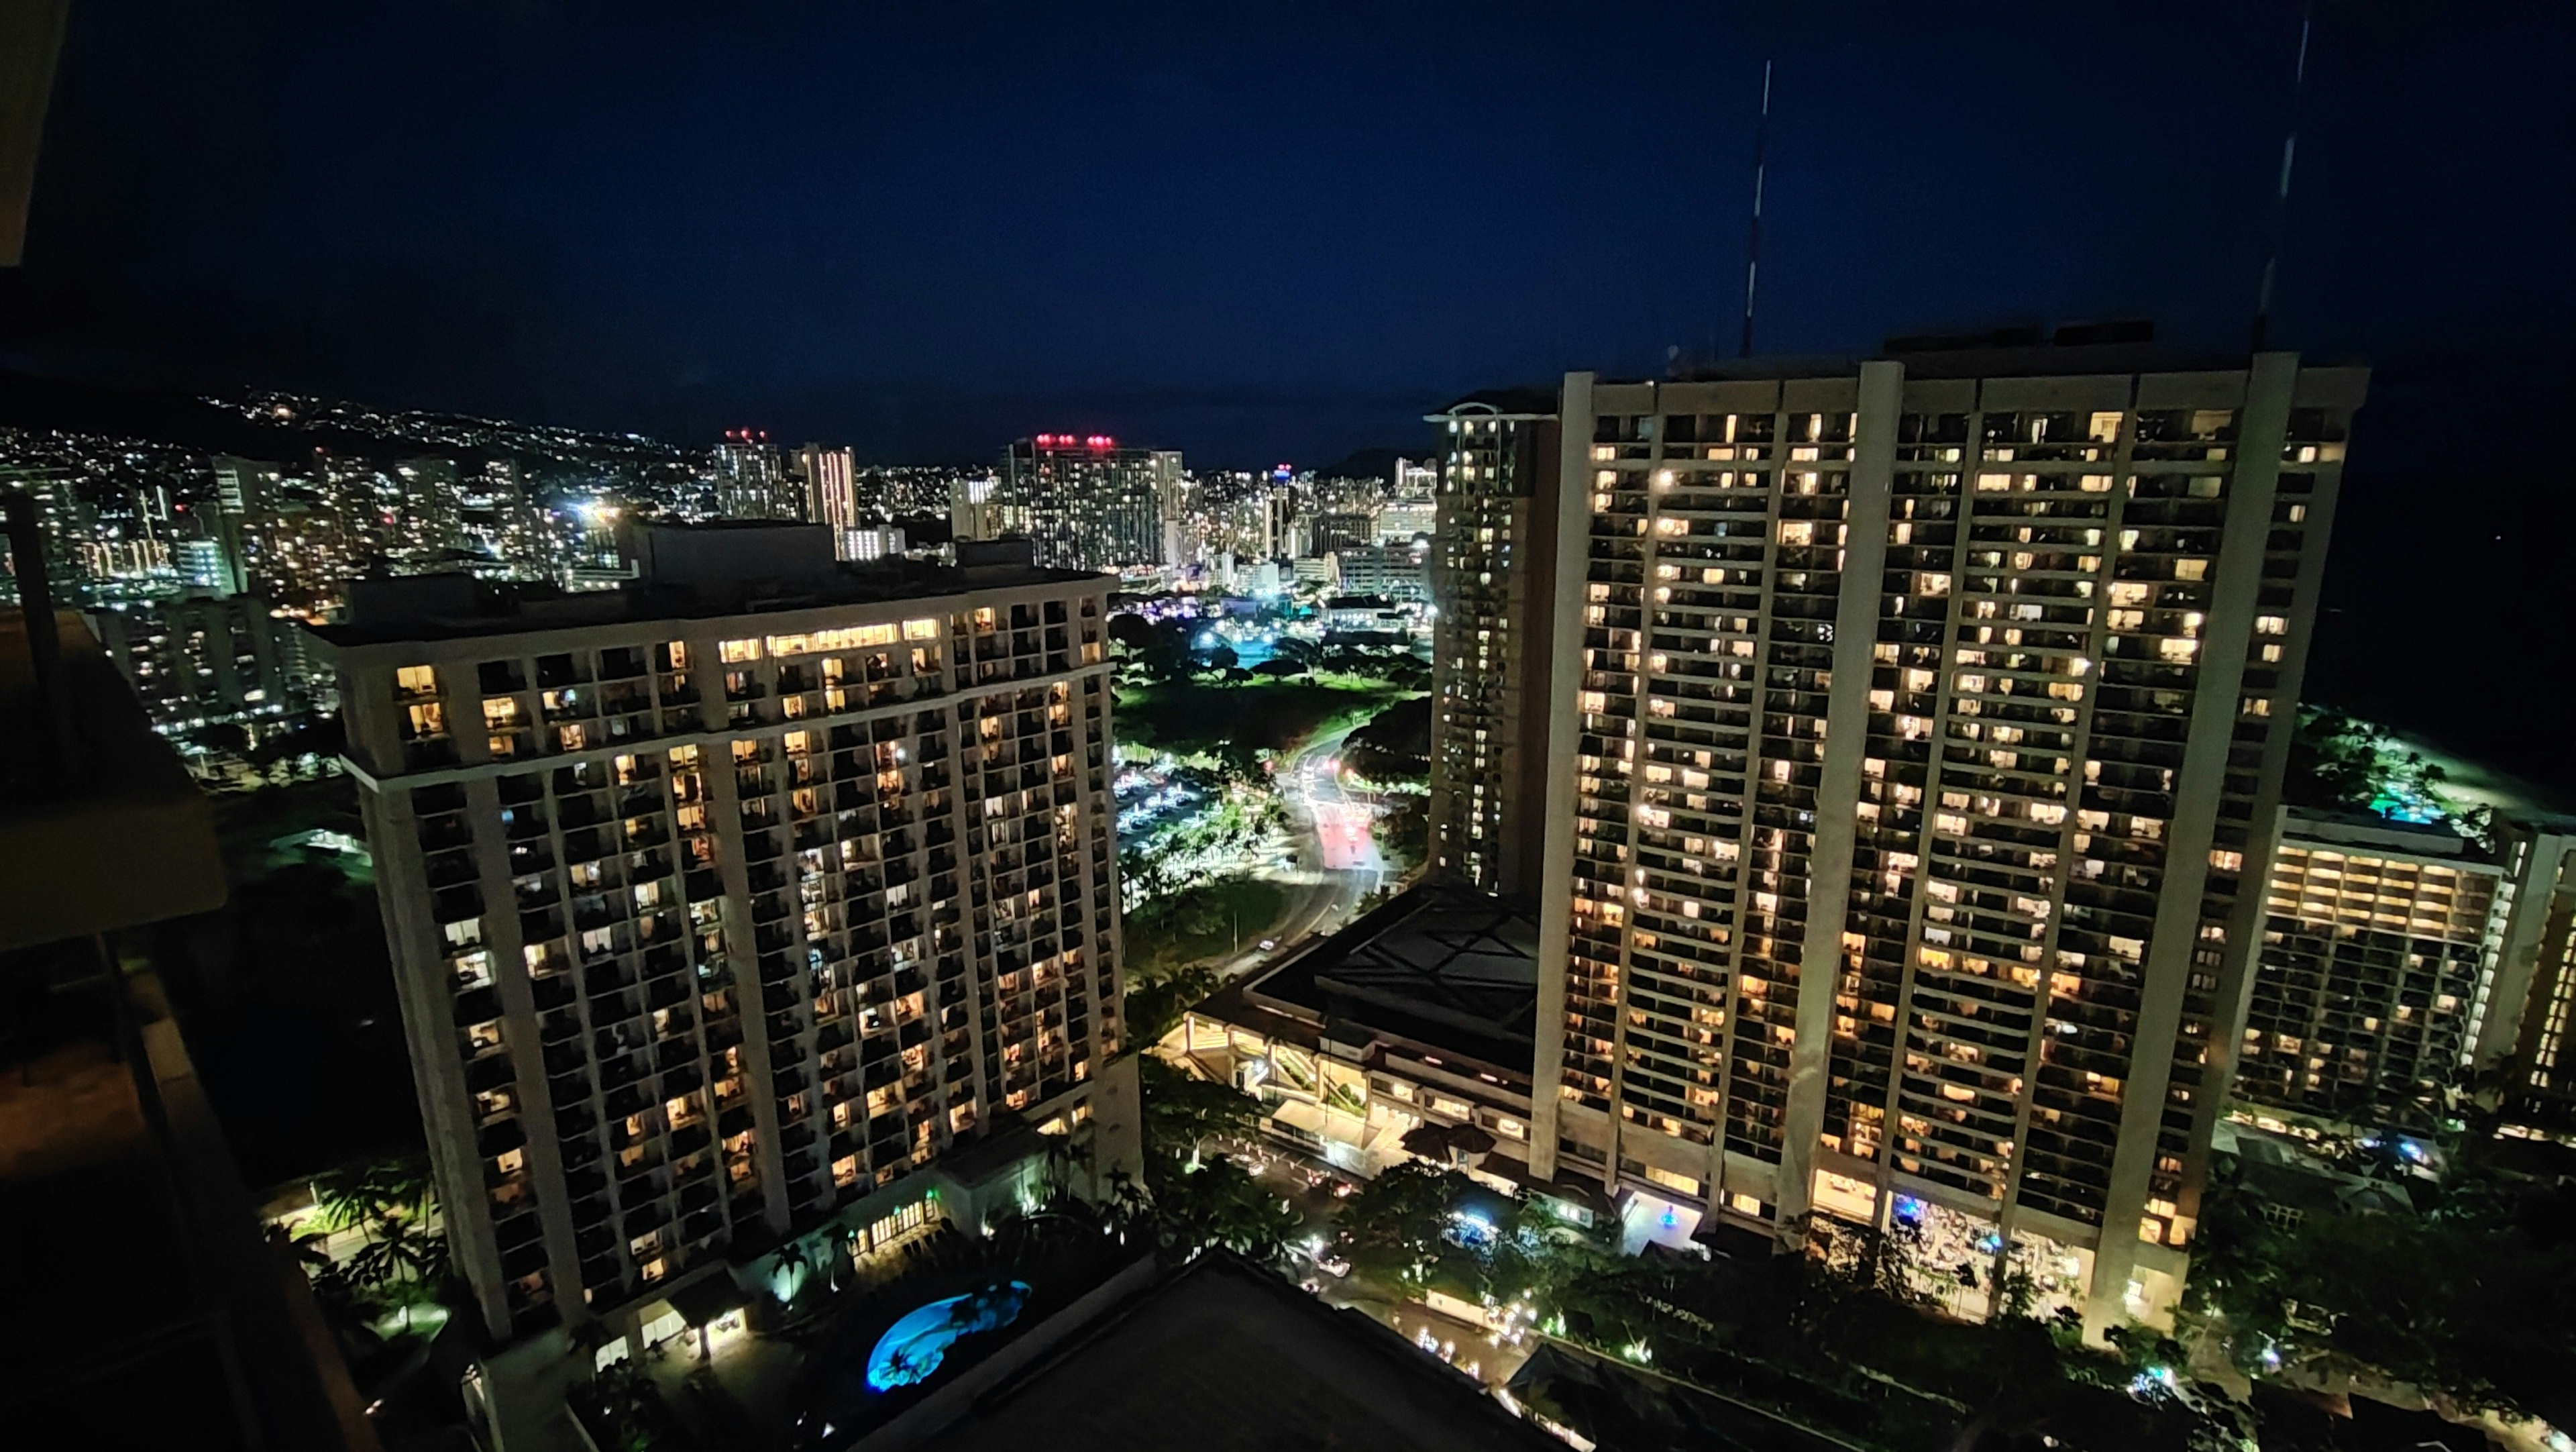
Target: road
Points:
(1338, 862)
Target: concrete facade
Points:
(711, 916)
(1917, 733)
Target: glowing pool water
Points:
(912, 1348)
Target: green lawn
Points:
(1184, 717)
(1168, 934)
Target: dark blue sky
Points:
(1267, 232)
(1254, 232)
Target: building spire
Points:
(2281, 199)
(1753, 243)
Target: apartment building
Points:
(1921, 727)
(205, 661)
(1495, 567)
(721, 905)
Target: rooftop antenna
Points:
(2281, 201)
(1753, 244)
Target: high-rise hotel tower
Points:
(1915, 732)
(721, 905)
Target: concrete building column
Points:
(1559, 677)
(2234, 598)
(1865, 514)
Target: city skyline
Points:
(822, 728)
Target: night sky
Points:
(1279, 232)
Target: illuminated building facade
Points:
(751, 479)
(1494, 559)
(712, 919)
(830, 477)
(2378, 940)
(1084, 502)
(200, 662)
(1399, 572)
(2406, 971)
(501, 524)
(1924, 723)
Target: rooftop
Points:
(2074, 351)
(1223, 1355)
(1442, 965)
(689, 572)
(2369, 830)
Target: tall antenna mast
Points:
(1753, 245)
(2281, 201)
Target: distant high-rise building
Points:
(715, 919)
(975, 509)
(243, 488)
(1085, 502)
(429, 523)
(829, 476)
(203, 662)
(500, 522)
(1407, 519)
(1339, 529)
(1258, 519)
(199, 563)
(1396, 572)
(751, 479)
(1176, 502)
(68, 525)
(1915, 736)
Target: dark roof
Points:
(1224, 1355)
(1442, 964)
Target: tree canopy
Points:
(2473, 1295)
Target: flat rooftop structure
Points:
(2369, 831)
(1442, 965)
(689, 572)
(115, 837)
(2003, 353)
(1224, 1356)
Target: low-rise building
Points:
(1406, 1035)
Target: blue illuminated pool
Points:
(912, 1348)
